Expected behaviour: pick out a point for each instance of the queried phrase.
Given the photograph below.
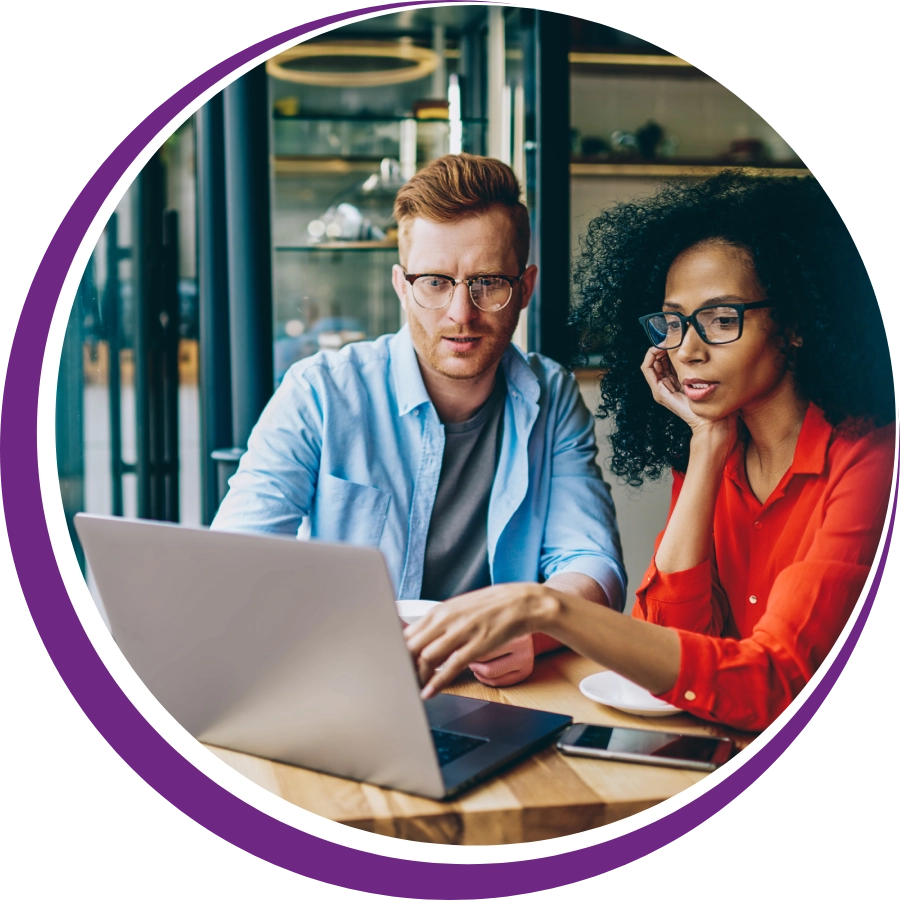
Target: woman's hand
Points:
(667, 391)
(471, 629)
(666, 387)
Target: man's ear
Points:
(398, 280)
(526, 285)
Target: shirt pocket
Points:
(348, 512)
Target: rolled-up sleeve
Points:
(748, 683)
(691, 599)
(581, 534)
(273, 488)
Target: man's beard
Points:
(491, 349)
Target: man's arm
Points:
(273, 488)
(581, 537)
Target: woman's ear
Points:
(792, 339)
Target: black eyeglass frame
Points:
(692, 320)
(511, 280)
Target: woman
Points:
(767, 389)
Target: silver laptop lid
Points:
(285, 649)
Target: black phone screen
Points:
(653, 743)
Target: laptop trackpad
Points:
(444, 708)
(510, 724)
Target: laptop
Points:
(293, 651)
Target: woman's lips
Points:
(697, 389)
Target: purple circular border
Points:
(132, 737)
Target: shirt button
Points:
(757, 525)
(690, 695)
(753, 598)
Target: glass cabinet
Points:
(353, 116)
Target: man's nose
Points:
(461, 308)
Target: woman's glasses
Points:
(720, 324)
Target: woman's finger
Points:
(455, 665)
(655, 367)
(651, 358)
(431, 648)
(423, 632)
(453, 653)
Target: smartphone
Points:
(656, 748)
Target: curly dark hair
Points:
(807, 264)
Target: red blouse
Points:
(758, 618)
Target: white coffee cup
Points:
(411, 611)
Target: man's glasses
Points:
(490, 293)
(715, 324)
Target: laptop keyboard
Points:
(452, 746)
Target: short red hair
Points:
(455, 186)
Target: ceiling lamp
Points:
(422, 62)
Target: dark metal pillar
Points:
(155, 285)
(472, 83)
(169, 321)
(70, 413)
(247, 200)
(146, 280)
(212, 266)
(549, 101)
(110, 323)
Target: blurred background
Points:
(261, 230)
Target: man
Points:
(463, 460)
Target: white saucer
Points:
(412, 610)
(613, 690)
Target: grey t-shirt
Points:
(456, 559)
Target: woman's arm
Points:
(468, 627)
(513, 662)
(578, 585)
(687, 541)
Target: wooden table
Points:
(547, 795)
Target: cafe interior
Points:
(260, 232)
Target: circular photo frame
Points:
(147, 752)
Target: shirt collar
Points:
(408, 385)
(410, 389)
(520, 378)
(809, 454)
(812, 445)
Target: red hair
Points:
(456, 186)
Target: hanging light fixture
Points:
(422, 61)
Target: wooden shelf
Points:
(324, 165)
(672, 170)
(644, 60)
(340, 245)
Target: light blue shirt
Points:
(350, 446)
